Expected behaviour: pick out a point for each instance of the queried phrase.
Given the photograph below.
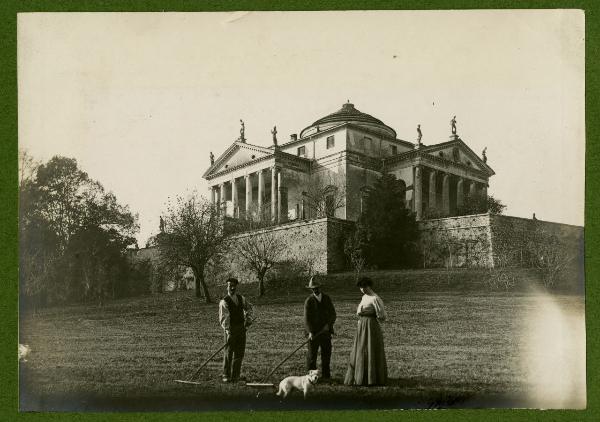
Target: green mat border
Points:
(8, 207)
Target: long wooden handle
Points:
(283, 361)
(205, 362)
(215, 354)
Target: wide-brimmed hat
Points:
(313, 283)
(232, 280)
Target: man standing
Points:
(235, 315)
(319, 317)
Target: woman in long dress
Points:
(367, 364)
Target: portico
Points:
(255, 194)
(255, 189)
(441, 193)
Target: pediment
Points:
(238, 154)
(458, 152)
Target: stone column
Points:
(274, 194)
(222, 197)
(460, 193)
(472, 189)
(234, 198)
(212, 195)
(432, 190)
(446, 195)
(417, 183)
(484, 189)
(261, 193)
(281, 207)
(248, 179)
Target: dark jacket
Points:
(236, 312)
(317, 314)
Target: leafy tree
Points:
(479, 204)
(260, 252)
(390, 229)
(193, 235)
(73, 234)
(94, 266)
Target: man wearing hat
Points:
(235, 315)
(319, 317)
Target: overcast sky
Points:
(141, 99)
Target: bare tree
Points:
(193, 235)
(260, 252)
(549, 255)
(325, 192)
(256, 218)
(27, 168)
(354, 250)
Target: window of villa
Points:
(367, 143)
(364, 143)
(330, 142)
(394, 149)
(301, 151)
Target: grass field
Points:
(447, 344)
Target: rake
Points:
(189, 380)
(264, 382)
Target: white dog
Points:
(303, 383)
(24, 350)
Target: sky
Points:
(141, 99)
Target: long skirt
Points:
(367, 365)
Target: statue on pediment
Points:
(456, 154)
(212, 158)
(419, 135)
(453, 125)
(274, 133)
(242, 131)
(484, 155)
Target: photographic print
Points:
(301, 210)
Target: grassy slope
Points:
(446, 341)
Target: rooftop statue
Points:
(419, 134)
(483, 155)
(212, 158)
(242, 131)
(274, 133)
(453, 125)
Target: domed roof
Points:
(349, 114)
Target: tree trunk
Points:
(261, 284)
(201, 286)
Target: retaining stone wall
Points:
(486, 240)
(316, 242)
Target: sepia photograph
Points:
(301, 210)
